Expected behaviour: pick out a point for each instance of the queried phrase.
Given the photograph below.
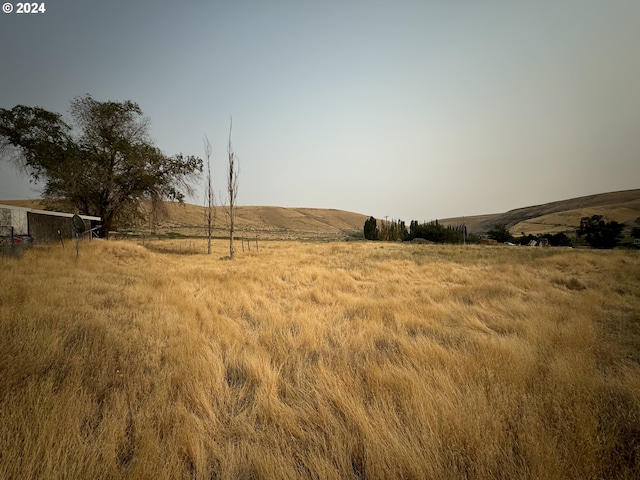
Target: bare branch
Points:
(210, 211)
(232, 188)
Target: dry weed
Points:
(302, 360)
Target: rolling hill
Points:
(559, 216)
(265, 221)
(331, 224)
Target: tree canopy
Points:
(435, 232)
(500, 233)
(371, 229)
(599, 232)
(103, 165)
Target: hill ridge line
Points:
(272, 221)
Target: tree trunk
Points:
(232, 189)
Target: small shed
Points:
(41, 225)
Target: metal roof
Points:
(46, 212)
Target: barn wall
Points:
(44, 228)
(42, 225)
(16, 218)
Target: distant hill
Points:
(268, 222)
(330, 224)
(560, 216)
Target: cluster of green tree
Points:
(393, 230)
(501, 234)
(104, 164)
(559, 239)
(596, 231)
(432, 231)
(388, 230)
(600, 233)
(437, 233)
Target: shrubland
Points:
(319, 360)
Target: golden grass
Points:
(327, 361)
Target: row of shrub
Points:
(595, 231)
(433, 231)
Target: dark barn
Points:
(42, 225)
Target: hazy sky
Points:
(412, 109)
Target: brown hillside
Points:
(560, 216)
(316, 223)
(627, 213)
(268, 222)
(37, 204)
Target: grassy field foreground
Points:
(327, 361)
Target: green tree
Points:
(599, 232)
(559, 239)
(104, 166)
(500, 233)
(435, 232)
(371, 229)
(392, 230)
(635, 232)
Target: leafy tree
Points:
(392, 230)
(104, 166)
(600, 233)
(473, 238)
(635, 232)
(371, 229)
(500, 233)
(434, 232)
(559, 239)
(402, 232)
(525, 239)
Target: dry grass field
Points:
(319, 360)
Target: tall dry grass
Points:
(327, 361)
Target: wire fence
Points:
(12, 244)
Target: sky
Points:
(407, 109)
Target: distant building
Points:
(41, 225)
(488, 241)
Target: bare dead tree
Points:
(210, 201)
(232, 189)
